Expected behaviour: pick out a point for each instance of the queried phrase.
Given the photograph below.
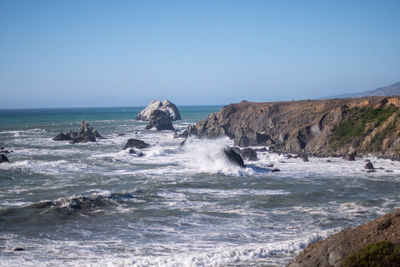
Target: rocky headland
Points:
(334, 127)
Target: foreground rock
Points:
(135, 143)
(334, 250)
(160, 120)
(332, 127)
(85, 134)
(169, 108)
(233, 157)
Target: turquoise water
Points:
(96, 204)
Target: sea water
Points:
(96, 204)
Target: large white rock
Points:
(165, 106)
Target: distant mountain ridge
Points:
(389, 90)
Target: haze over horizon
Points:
(126, 53)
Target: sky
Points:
(127, 53)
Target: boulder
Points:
(233, 157)
(275, 170)
(85, 134)
(249, 154)
(369, 166)
(304, 157)
(135, 143)
(169, 108)
(161, 120)
(3, 158)
(350, 156)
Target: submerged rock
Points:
(136, 152)
(249, 154)
(160, 120)
(233, 157)
(350, 156)
(169, 108)
(3, 158)
(135, 143)
(85, 134)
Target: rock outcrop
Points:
(331, 127)
(334, 250)
(135, 143)
(85, 134)
(169, 108)
(161, 120)
(233, 157)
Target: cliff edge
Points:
(330, 127)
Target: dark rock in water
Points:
(270, 165)
(369, 166)
(249, 154)
(275, 170)
(121, 134)
(160, 120)
(289, 156)
(328, 160)
(3, 158)
(233, 157)
(85, 134)
(135, 143)
(351, 156)
(169, 108)
(183, 143)
(19, 249)
(139, 153)
(62, 137)
(304, 157)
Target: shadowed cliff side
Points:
(331, 127)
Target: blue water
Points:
(96, 204)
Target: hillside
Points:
(331, 127)
(389, 90)
(376, 243)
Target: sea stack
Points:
(85, 134)
(169, 108)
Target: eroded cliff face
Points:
(318, 127)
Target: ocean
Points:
(95, 204)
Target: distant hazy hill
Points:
(390, 90)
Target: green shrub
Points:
(381, 254)
(358, 124)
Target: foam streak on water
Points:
(96, 204)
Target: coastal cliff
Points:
(331, 127)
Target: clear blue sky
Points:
(126, 53)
